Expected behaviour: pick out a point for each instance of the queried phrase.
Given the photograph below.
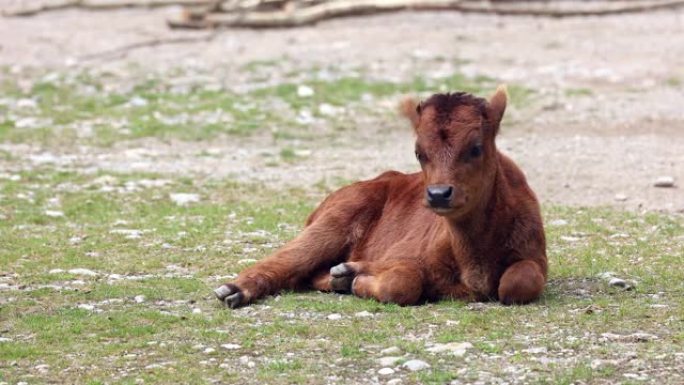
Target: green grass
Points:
(91, 329)
(81, 108)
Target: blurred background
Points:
(595, 115)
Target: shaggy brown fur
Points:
(467, 226)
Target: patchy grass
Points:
(143, 311)
(60, 110)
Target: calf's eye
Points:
(476, 151)
(421, 157)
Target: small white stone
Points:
(334, 316)
(395, 381)
(415, 365)
(327, 109)
(304, 117)
(621, 283)
(86, 306)
(54, 213)
(196, 311)
(363, 314)
(385, 371)
(620, 197)
(390, 350)
(664, 181)
(81, 271)
(538, 350)
(230, 346)
(128, 233)
(139, 298)
(137, 101)
(26, 103)
(304, 91)
(209, 351)
(183, 199)
(389, 360)
(558, 222)
(56, 271)
(42, 367)
(454, 348)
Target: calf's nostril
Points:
(447, 192)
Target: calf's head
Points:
(455, 147)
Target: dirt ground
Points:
(606, 119)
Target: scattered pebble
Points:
(184, 199)
(664, 181)
(634, 337)
(389, 360)
(415, 365)
(621, 283)
(230, 346)
(128, 233)
(537, 350)
(363, 314)
(86, 306)
(334, 316)
(454, 348)
(558, 222)
(620, 197)
(327, 109)
(304, 91)
(385, 371)
(54, 213)
(209, 351)
(390, 350)
(395, 381)
(137, 101)
(81, 271)
(139, 298)
(196, 311)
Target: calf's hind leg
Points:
(393, 281)
(522, 282)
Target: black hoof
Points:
(341, 270)
(235, 300)
(342, 278)
(229, 294)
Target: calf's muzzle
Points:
(439, 195)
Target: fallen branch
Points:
(98, 5)
(609, 8)
(315, 13)
(295, 17)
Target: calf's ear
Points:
(410, 108)
(497, 106)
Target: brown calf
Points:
(467, 227)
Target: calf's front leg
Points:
(319, 244)
(521, 283)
